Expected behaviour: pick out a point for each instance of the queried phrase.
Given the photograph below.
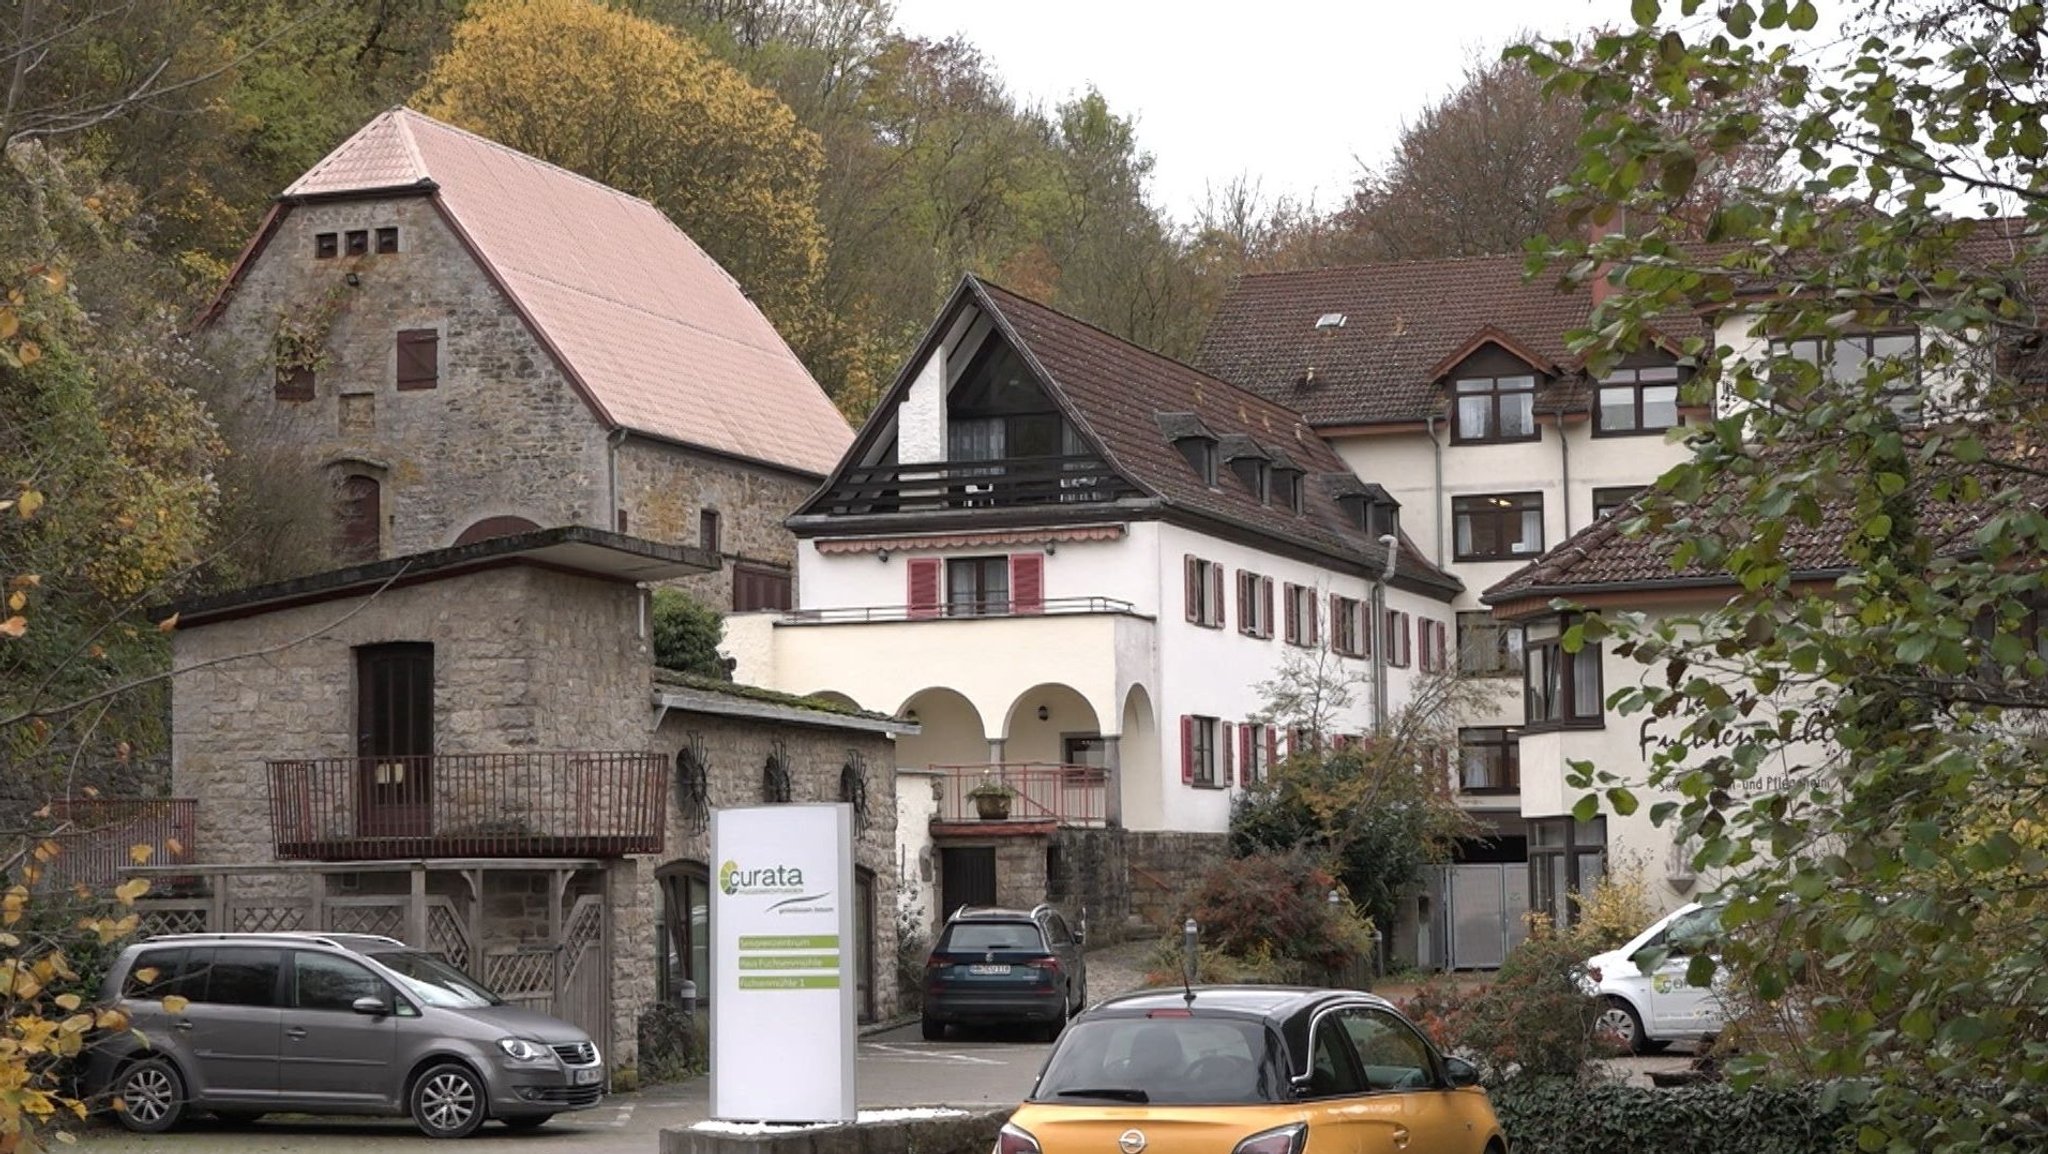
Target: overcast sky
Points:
(1294, 92)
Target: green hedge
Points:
(1556, 1116)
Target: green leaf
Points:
(1622, 800)
(1588, 808)
(1645, 12)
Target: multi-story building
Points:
(1449, 382)
(1074, 562)
(472, 342)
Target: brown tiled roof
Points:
(1605, 559)
(1401, 321)
(1119, 391)
(660, 338)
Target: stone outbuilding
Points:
(470, 748)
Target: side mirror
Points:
(1460, 1072)
(374, 1007)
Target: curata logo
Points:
(777, 879)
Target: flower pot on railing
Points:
(992, 801)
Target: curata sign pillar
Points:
(783, 950)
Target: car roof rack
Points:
(335, 940)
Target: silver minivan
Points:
(241, 1025)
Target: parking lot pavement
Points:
(897, 1068)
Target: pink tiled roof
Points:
(663, 340)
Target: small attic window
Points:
(1201, 455)
(1287, 489)
(1331, 321)
(387, 240)
(358, 241)
(1257, 476)
(326, 245)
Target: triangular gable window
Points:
(999, 411)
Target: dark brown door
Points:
(967, 877)
(395, 740)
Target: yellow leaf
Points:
(14, 626)
(67, 1001)
(17, 600)
(10, 323)
(131, 889)
(173, 1004)
(25, 580)
(139, 854)
(167, 624)
(29, 352)
(30, 499)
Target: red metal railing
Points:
(580, 804)
(97, 837)
(1036, 791)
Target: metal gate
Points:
(1482, 914)
(967, 877)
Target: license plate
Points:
(993, 971)
(587, 1077)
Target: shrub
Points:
(913, 943)
(1556, 1116)
(1535, 1020)
(1216, 967)
(1617, 908)
(1279, 903)
(687, 633)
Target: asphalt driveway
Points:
(896, 1068)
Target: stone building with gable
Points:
(473, 342)
(471, 749)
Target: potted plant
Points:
(992, 800)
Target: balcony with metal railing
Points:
(944, 486)
(1068, 795)
(587, 804)
(95, 838)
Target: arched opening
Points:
(359, 511)
(834, 697)
(1142, 778)
(952, 731)
(1053, 725)
(491, 527)
(682, 932)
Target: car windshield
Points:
(979, 937)
(1211, 1061)
(435, 982)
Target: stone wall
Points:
(666, 488)
(524, 659)
(735, 751)
(1163, 868)
(503, 433)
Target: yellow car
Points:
(1251, 1070)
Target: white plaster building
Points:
(1074, 561)
(1449, 382)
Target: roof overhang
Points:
(1489, 335)
(680, 698)
(576, 549)
(1539, 600)
(1047, 535)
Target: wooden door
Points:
(395, 740)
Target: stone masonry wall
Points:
(503, 433)
(1163, 868)
(735, 750)
(665, 488)
(524, 659)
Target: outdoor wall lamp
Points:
(1044, 714)
(353, 280)
(882, 555)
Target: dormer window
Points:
(1383, 519)
(1201, 456)
(1287, 489)
(1637, 400)
(1257, 476)
(1493, 409)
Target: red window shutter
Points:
(1225, 749)
(1246, 735)
(1215, 573)
(1027, 583)
(419, 358)
(1336, 636)
(1293, 617)
(1187, 749)
(1311, 631)
(1244, 602)
(1422, 639)
(924, 586)
(1192, 579)
(1272, 747)
(1404, 646)
(1266, 597)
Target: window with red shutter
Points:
(1266, 606)
(761, 587)
(419, 358)
(1293, 614)
(1272, 750)
(1215, 579)
(1187, 749)
(1226, 749)
(1247, 756)
(1027, 583)
(1191, 579)
(923, 594)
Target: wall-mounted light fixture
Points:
(882, 555)
(1044, 714)
(1051, 547)
(353, 280)
(910, 715)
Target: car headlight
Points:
(521, 1050)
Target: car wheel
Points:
(527, 1121)
(933, 1030)
(1618, 1020)
(151, 1095)
(447, 1102)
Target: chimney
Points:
(1597, 230)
